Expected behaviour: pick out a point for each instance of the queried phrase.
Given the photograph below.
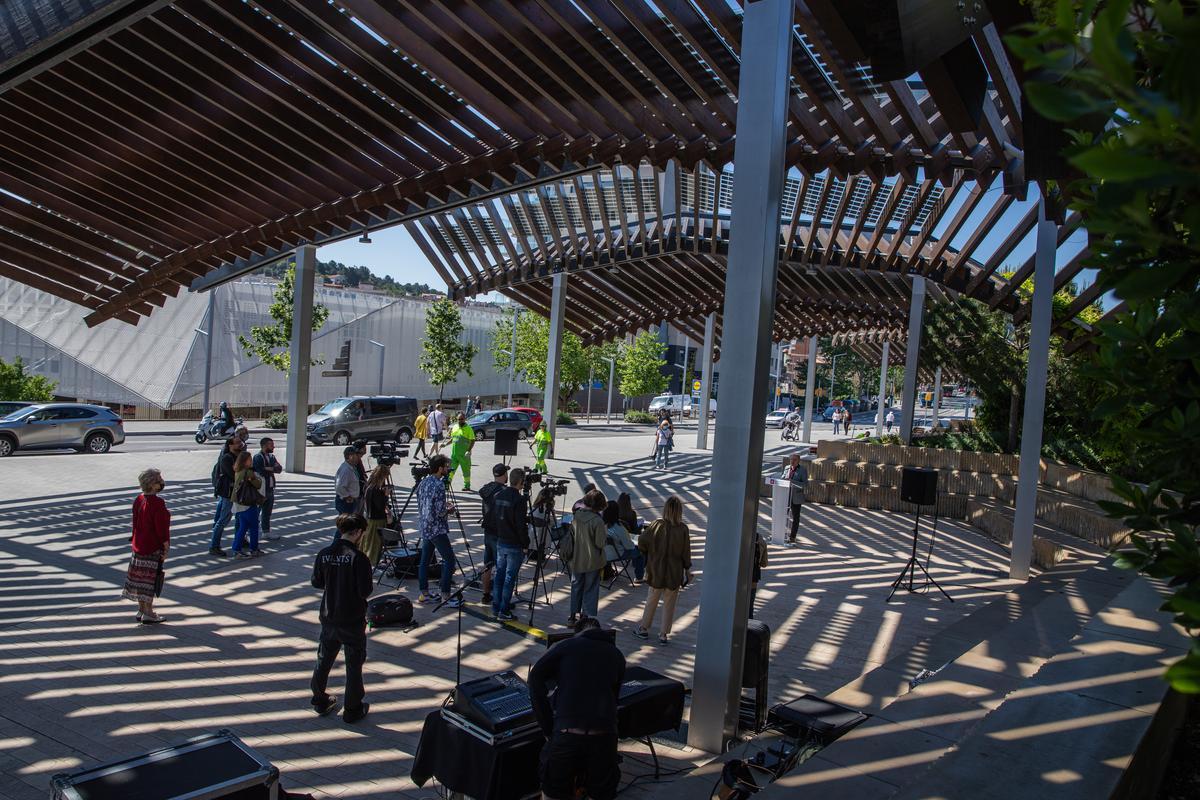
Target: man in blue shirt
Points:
(434, 528)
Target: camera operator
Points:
(376, 499)
(512, 540)
(581, 727)
(488, 523)
(434, 513)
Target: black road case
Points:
(216, 765)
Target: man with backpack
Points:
(512, 540)
(487, 494)
(222, 483)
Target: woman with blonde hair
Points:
(376, 499)
(151, 539)
(247, 497)
(668, 552)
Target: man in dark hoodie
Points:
(512, 540)
(343, 573)
(488, 523)
(581, 726)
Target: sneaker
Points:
(257, 553)
(504, 616)
(216, 551)
(327, 705)
(349, 718)
(454, 602)
(641, 634)
(429, 597)
(663, 640)
(241, 554)
(487, 598)
(571, 621)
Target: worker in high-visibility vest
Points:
(462, 440)
(541, 446)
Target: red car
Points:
(534, 415)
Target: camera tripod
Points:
(545, 541)
(399, 522)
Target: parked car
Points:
(488, 422)
(775, 418)
(9, 406)
(376, 419)
(535, 416)
(679, 405)
(61, 426)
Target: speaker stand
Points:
(910, 569)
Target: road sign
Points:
(695, 386)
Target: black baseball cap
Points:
(499, 470)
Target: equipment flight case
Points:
(210, 767)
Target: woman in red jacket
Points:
(151, 537)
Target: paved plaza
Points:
(81, 682)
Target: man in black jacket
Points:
(222, 477)
(488, 523)
(511, 514)
(343, 573)
(581, 728)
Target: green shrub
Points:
(277, 421)
(565, 419)
(640, 417)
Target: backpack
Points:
(566, 543)
(247, 495)
(392, 609)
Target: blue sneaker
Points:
(454, 602)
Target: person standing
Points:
(222, 478)
(421, 432)
(470, 406)
(150, 542)
(434, 512)
(512, 540)
(837, 420)
(267, 467)
(376, 502)
(247, 496)
(462, 442)
(488, 522)
(541, 446)
(437, 427)
(662, 444)
(668, 566)
(797, 474)
(343, 574)
(347, 486)
(847, 421)
(590, 535)
(890, 420)
(581, 724)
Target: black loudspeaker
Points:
(758, 653)
(506, 443)
(919, 486)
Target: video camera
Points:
(552, 486)
(387, 453)
(421, 469)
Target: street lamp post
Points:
(833, 375)
(208, 346)
(512, 355)
(382, 351)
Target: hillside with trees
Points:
(352, 276)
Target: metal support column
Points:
(208, 347)
(710, 328)
(382, 361)
(1029, 471)
(612, 368)
(558, 310)
(916, 317)
(880, 407)
(810, 388)
(301, 357)
(591, 381)
(745, 358)
(937, 397)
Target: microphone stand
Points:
(458, 643)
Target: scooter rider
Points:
(791, 423)
(225, 415)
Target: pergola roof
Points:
(150, 144)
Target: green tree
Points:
(533, 344)
(17, 384)
(1121, 77)
(443, 353)
(640, 365)
(271, 343)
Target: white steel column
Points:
(301, 358)
(710, 326)
(558, 310)
(763, 88)
(612, 368)
(208, 347)
(916, 317)
(881, 411)
(1029, 471)
(810, 389)
(937, 397)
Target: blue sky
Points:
(391, 252)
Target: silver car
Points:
(58, 426)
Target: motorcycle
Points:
(791, 432)
(209, 428)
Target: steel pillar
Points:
(1029, 471)
(937, 397)
(810, 389)
(881, 410)
(710, 328)
(916, 318)
(301, 358)
(382, 361)
(208, 348)
(558, 311)
(763, 89)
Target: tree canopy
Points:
(17, 384)
(640, 365)
(443, 353)
(271, 343)
(533, 344)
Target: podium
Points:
(781, 494)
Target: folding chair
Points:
(396, 557)
(620, 564)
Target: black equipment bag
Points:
(391, 609)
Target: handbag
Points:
(247, 495)
(158, 579)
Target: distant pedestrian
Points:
(590, 535)
(668, 551)
(847, 422)
(837, 421)
(222, 481)
(343, 574)
(347, 486)
(797, 475)
(470, 406)
(437, 427)
(662, 444)
(247, 497)
(890, 420)
(478, 404)
(377, 509)
(421, 432)
(150, 542)
(267, 467)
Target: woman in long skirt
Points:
(151, 540)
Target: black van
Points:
(376, 419)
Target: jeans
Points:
(334, 638)
(662, 454)
(247, 523)
(446, 552)
(420, 451)
(266, 508)
(508, 564)
(668, 596)
(345, 506)
(585, 593)
(220, 520)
